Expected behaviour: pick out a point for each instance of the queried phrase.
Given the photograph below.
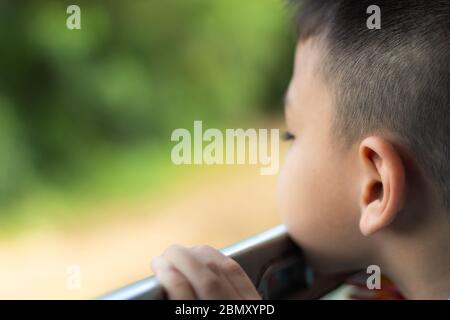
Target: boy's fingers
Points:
(176, 285)
(207, 282)
(231, 269)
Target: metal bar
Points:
(272, 261)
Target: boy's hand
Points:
(202, 273)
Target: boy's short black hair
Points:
(394, 79)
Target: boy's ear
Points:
(383, 184)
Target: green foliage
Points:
(134, 72)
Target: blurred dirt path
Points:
(115, 249)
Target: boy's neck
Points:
(433, 283)
(419, 265)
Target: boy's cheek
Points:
(301, 195)
(312, 207)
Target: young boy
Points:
(366, 180)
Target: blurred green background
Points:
(86, 115)
(86, 118)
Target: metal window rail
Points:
(273, 262)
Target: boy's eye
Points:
(288, 136)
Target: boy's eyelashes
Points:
(288, 136)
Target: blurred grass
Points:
(86, 115)
(129, 175)
(134, 173)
